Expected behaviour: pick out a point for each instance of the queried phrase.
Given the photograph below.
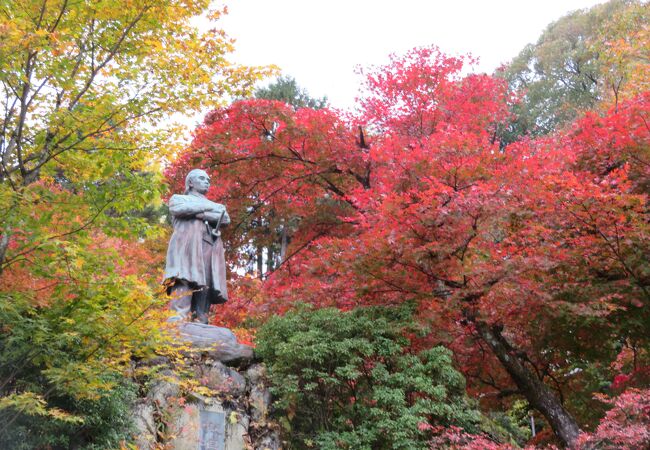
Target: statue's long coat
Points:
(192, 248)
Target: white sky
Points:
(319, 43)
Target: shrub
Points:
(102, 422)
(60, 385)
(349, 380)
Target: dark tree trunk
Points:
(536, 392)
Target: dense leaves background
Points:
(509, 212)
(516, 254)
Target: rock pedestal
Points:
(226, 407)
(220, 343)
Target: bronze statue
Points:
(195, 274)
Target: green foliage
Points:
(513, 424)
(560, 75)
(286, 89)
(99, 423)
(348, 380)
(62, 365)
(73, 314)
(623, 47)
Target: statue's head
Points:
(197, 180)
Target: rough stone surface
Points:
(144, 422)
(220, 343)
(242, 396)
(256, 373)
(259, 397)
(163, 390)
(260, 402)
(222, 379)
(185, 428)
(236, 431)
(270, 442)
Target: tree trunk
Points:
(536, 392)
(283, 244)
(260, 262)
(4, 244)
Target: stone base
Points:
(232, 412)
(207, 425)
(220, 343)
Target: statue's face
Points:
(200, 182)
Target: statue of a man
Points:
(195, 274)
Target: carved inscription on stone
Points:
(213, 431)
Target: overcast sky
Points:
(321, 42)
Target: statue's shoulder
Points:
(181, 199)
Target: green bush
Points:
(105, 421)
(59, 388)
(348, 380)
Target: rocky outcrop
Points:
(217, 400)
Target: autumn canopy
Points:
(519, 242)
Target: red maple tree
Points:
(529, 261)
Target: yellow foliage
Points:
(88, 89)
(623, 48)
(34, 404)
